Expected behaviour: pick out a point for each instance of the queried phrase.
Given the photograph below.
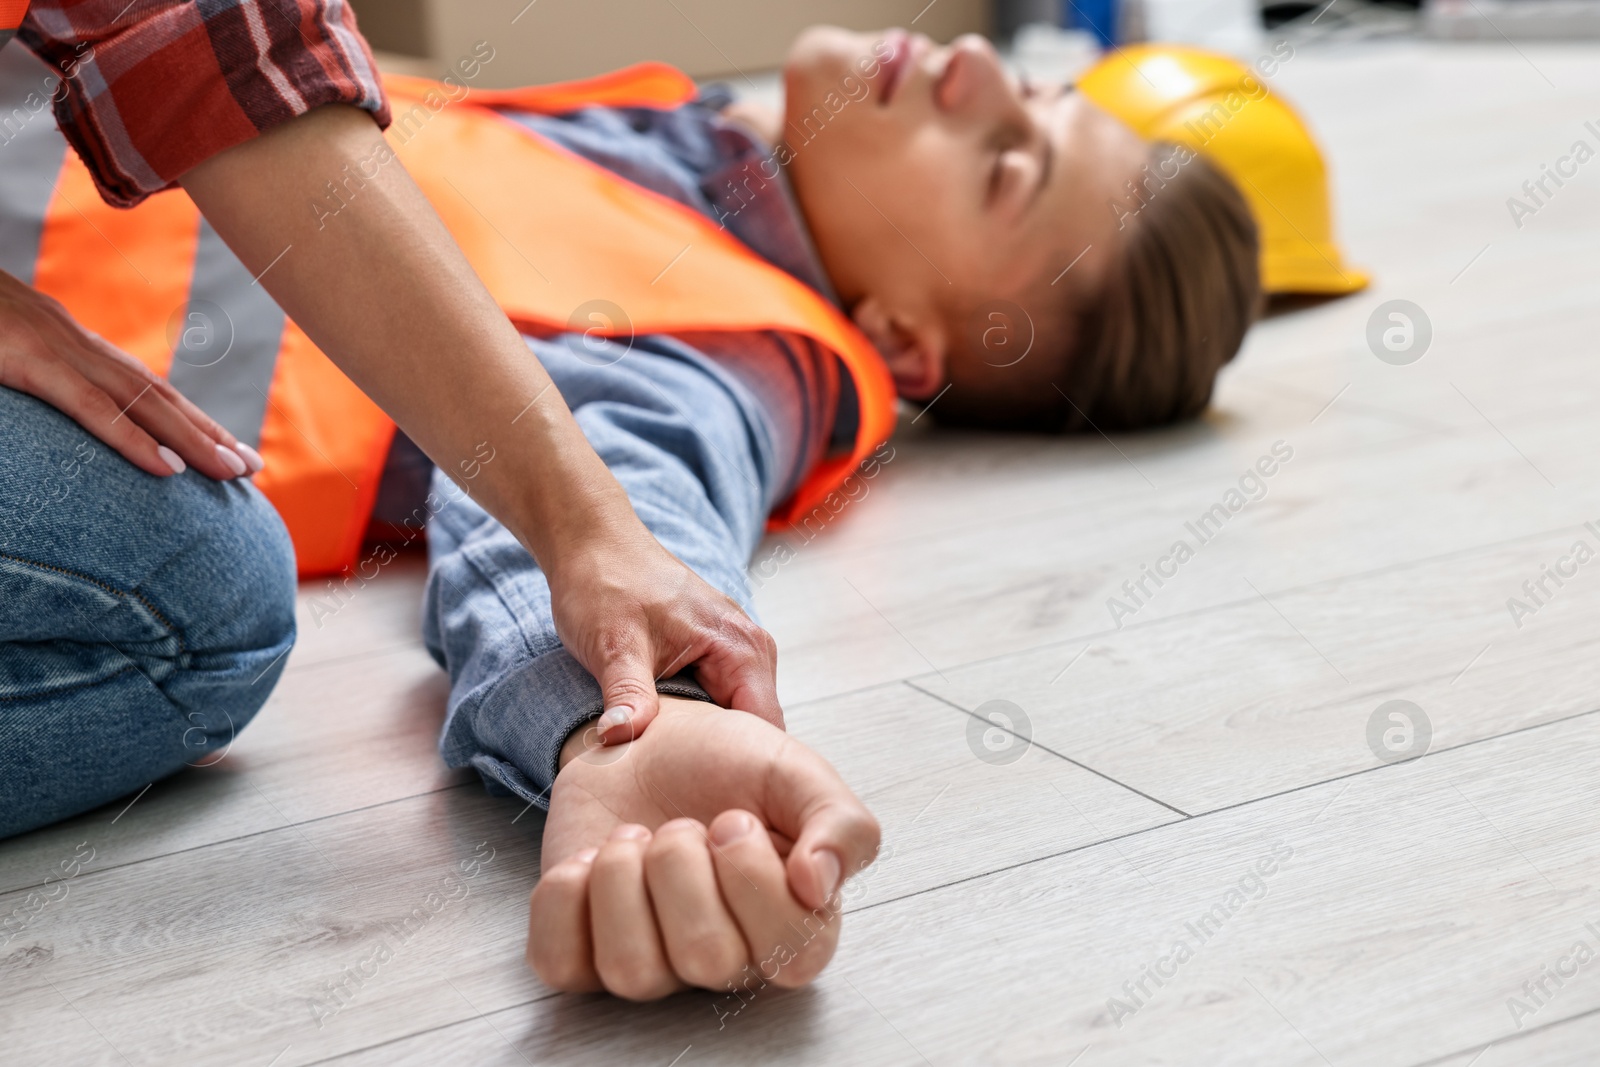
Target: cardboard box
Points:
(552, 40)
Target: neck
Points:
(760, 120)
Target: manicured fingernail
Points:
(231, 459)
(614, 717)
(171, 459)
(586, 856)
(252, 458)
(731, 827)
(629, 832)
(826, 863)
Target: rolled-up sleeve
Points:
(152, 88)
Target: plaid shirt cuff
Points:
(154, 87)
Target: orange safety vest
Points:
(11, 16)
(547, 232)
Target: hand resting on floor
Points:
(713, 843)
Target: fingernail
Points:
(615, 717)
(231, 459)
(171, 459)
(731, 827)
(252, 458)
(630, 832)
(826, 863)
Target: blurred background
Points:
(549, 40)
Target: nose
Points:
(974, 81)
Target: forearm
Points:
(383, 290)
(681, 446)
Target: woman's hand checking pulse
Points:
(631, 613)
(46, 354)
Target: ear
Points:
(914, 349)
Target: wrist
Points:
(583, 737)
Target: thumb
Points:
(628, 699)
(834, 834)
(839, 841)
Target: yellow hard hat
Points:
(1221, 108)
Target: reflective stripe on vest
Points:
(32, 152)
(157, 282)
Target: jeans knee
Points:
(234, 583)
(264, 586)
(228, 594)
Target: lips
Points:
(897, 65)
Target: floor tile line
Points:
(1033, 741)
(428, 1030)
(1203, 815)
(910, 684)
(1507, 1039)
(1292, 590)
(1077, 506)
(254, 833)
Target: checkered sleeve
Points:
(150, 88)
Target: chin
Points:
(820, 58)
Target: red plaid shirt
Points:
(154, 87)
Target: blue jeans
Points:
(143, 620)
(695, 452)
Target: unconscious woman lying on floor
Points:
(732, 303)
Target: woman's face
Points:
(933, 181)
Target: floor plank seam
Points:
(1291, 590)
(829, 553)
(1198, 816)
(1017, 865)
(432, 1029)
(1059, 755)
(1508, 1038)
(1430, 754)
(245, 837)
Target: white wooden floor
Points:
(1222, 731)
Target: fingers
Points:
(740, 668)
(628, 953)
(214, 430)
(169, 418)
(628, 695)
(703, 942)
(834, 834)
(140, 414)
(788, 942)
(70, 393)
(559, 948)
